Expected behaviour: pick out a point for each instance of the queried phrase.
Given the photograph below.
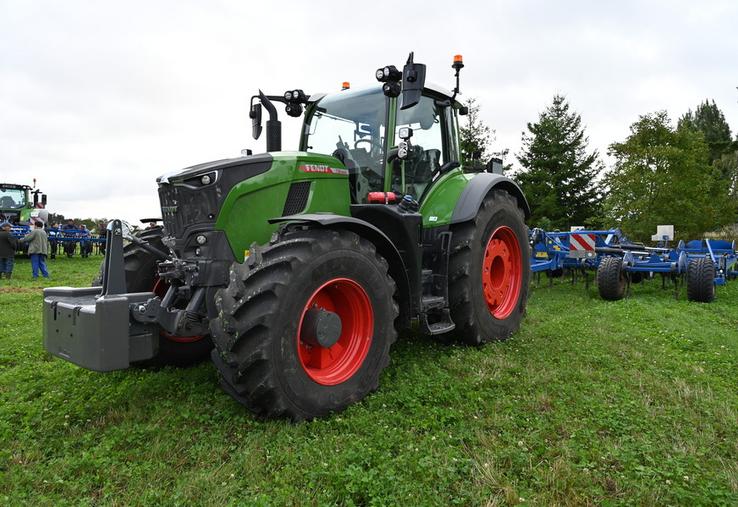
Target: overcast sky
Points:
(99, 98)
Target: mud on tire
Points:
(261, 350)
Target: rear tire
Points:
(142, 276)
(611, 280)
(262, 351)
(701, 280)
(489, 271)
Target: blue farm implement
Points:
(702, 264)
(67, 239)
(574, 252)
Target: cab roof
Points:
(431, 87)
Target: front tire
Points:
(305, 325)
(489, 270)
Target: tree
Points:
(475, 137)
(663, 175)
(727, 170)
(709, 120)
(558, 174)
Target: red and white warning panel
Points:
(582, 245)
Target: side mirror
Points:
(413, 81)
(35, 199)
(255, 115)
(43, 199)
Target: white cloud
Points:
(99, 98)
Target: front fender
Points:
(382, 243)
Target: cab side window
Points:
(428, 155)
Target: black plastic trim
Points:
(384, 246)
(478, 188)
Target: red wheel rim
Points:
(338, 363)
(502, 272)
(160, 289)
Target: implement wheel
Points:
(611, 280)
(141, 276)
(489, 271)
(701, 280)
(305, 326)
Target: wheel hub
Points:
(321, 328)
(335, 331)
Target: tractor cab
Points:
(364, 128)
(13, 197)
(21, 204)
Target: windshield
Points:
(351, 126)
(12, 198)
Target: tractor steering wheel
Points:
(367, 140)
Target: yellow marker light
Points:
(345, 85)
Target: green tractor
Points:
(21, 204)
(295, 271)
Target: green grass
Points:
(633, 402)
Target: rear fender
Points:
(479, 186)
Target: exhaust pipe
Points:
(273, 125)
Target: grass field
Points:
(633, 402)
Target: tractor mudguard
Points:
(479, 186)
(383, 244)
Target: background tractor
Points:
(298, 268)
(21, 204)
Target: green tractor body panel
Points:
(251, 203)
(438, 206)
(25, 215)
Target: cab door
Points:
(433, 146)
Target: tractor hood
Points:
(217, 165)
(191, 198)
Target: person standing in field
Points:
(38, 249)
(8, 246)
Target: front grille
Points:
(297, 198)
(183, 206)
